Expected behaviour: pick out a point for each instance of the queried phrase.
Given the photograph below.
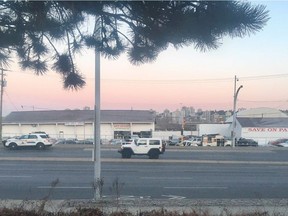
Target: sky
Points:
(182, 77)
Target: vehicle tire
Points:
(153, 154)
(126, 153)
(13, 146)
(40, 146)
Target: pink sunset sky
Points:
(183, 77)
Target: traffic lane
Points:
(154, 180)
(201, 153)
(229, 153)
(208, 181)
(53, 151)
(59, 151)
(36, 180)
(276, 158)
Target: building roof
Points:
(64, 116)
(263, 122)
(260, 112)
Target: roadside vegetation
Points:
(21, 211)
(115, 207)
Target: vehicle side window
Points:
(142, 142)
(44, 136)
(24, 137)
(32, 137)
(154, 142)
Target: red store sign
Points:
(120, 126)
(255, 129)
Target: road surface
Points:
(181, 173)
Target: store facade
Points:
(79, 124)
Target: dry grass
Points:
(97, 212)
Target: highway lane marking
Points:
(44, 159)
(83, 187)
(64, 187)
(197, 187)
(135, 160)
(127, 197)
(15, 176)
(168, 178)
(173, 197)
(204, 149)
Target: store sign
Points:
(121, 126)
(256, 129)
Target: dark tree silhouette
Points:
(47, 34)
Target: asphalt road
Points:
(181, 173)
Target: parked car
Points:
(173, 142)
(196, 140)
(227, 142)
(66, 141)
(246, 142)
(115, 141)
(187, 143)
(86, 141)
(282, 144)
(278, 141)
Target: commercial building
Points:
(262, 130)
(261, 124)
(79, 124)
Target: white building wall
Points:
(19, 129)
(166, 134)
(73, 130)
(65, 131)
(107, 131)
(11, 130)
(264, 135)
(223, 129)
(141, 127)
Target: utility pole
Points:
(183, 128)
(96, 151)
(234, 111)
(1, 100)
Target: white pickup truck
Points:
(152, 147)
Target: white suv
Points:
(39, 140)
(152, 147)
